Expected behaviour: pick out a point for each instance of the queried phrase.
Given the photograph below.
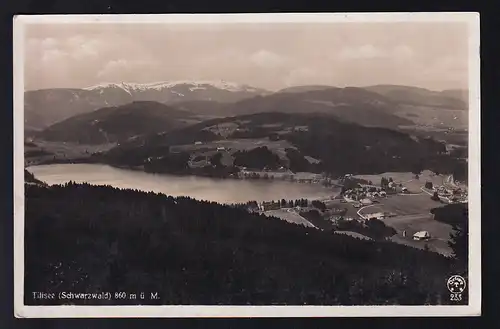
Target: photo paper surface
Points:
(243, 165)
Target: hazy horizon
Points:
(428, 55)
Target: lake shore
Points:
(204, 188)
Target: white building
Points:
(421, 235)
(366, 201)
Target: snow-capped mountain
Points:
(192, 86)
(48, 106)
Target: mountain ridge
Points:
(44, 107)
(114, 124)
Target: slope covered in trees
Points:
(84, 238)
(341, 147)
(116, 124)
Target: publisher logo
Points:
(456, 284)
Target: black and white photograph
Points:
(247, 165)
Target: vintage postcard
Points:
(247, 165)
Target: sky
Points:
(431, 55)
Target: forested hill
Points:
(84, 238)
(29, 178)
(114, 124)
(340, 146)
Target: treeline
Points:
(97, 238)
(30, 178)
(257, 158)
(283, 203)
(457, 215)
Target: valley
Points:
(312, 158)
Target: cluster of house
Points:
(280, 169)
(456, 195)
(335, 219)
(361, 196)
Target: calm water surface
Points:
(201, 188)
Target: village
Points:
(402, 203)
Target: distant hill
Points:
(461, 94)
(48, 106)
(341, 147)
(205, 108)
(300, 89)
(115, 124)
(380, 106)
(419, 96)
(346, 104)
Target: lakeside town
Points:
(397, 209)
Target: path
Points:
(359, 211)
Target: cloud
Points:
(362, 52)
(302, 75)
(123, 66)
(372, 52)
(52, 55)
(403, 52)
(49, 43)
(267, 59)
(85, 52)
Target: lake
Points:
(201, 188)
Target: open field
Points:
(413, 211)
(354, 235)
(289, 215)
(407, 179)
(234, 145)
(413, 215)
(60, 150)
(409, 204)
(440, 232)
(435, 116)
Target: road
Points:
(362, 208)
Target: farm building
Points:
(366, 201)
(421, 235)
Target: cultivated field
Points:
(407, 179)
(440, 232)
(413, 215)
(409, 204)
(289, 215)
(234, 145)
(60, 150)
(435, 116)
(412, 211)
